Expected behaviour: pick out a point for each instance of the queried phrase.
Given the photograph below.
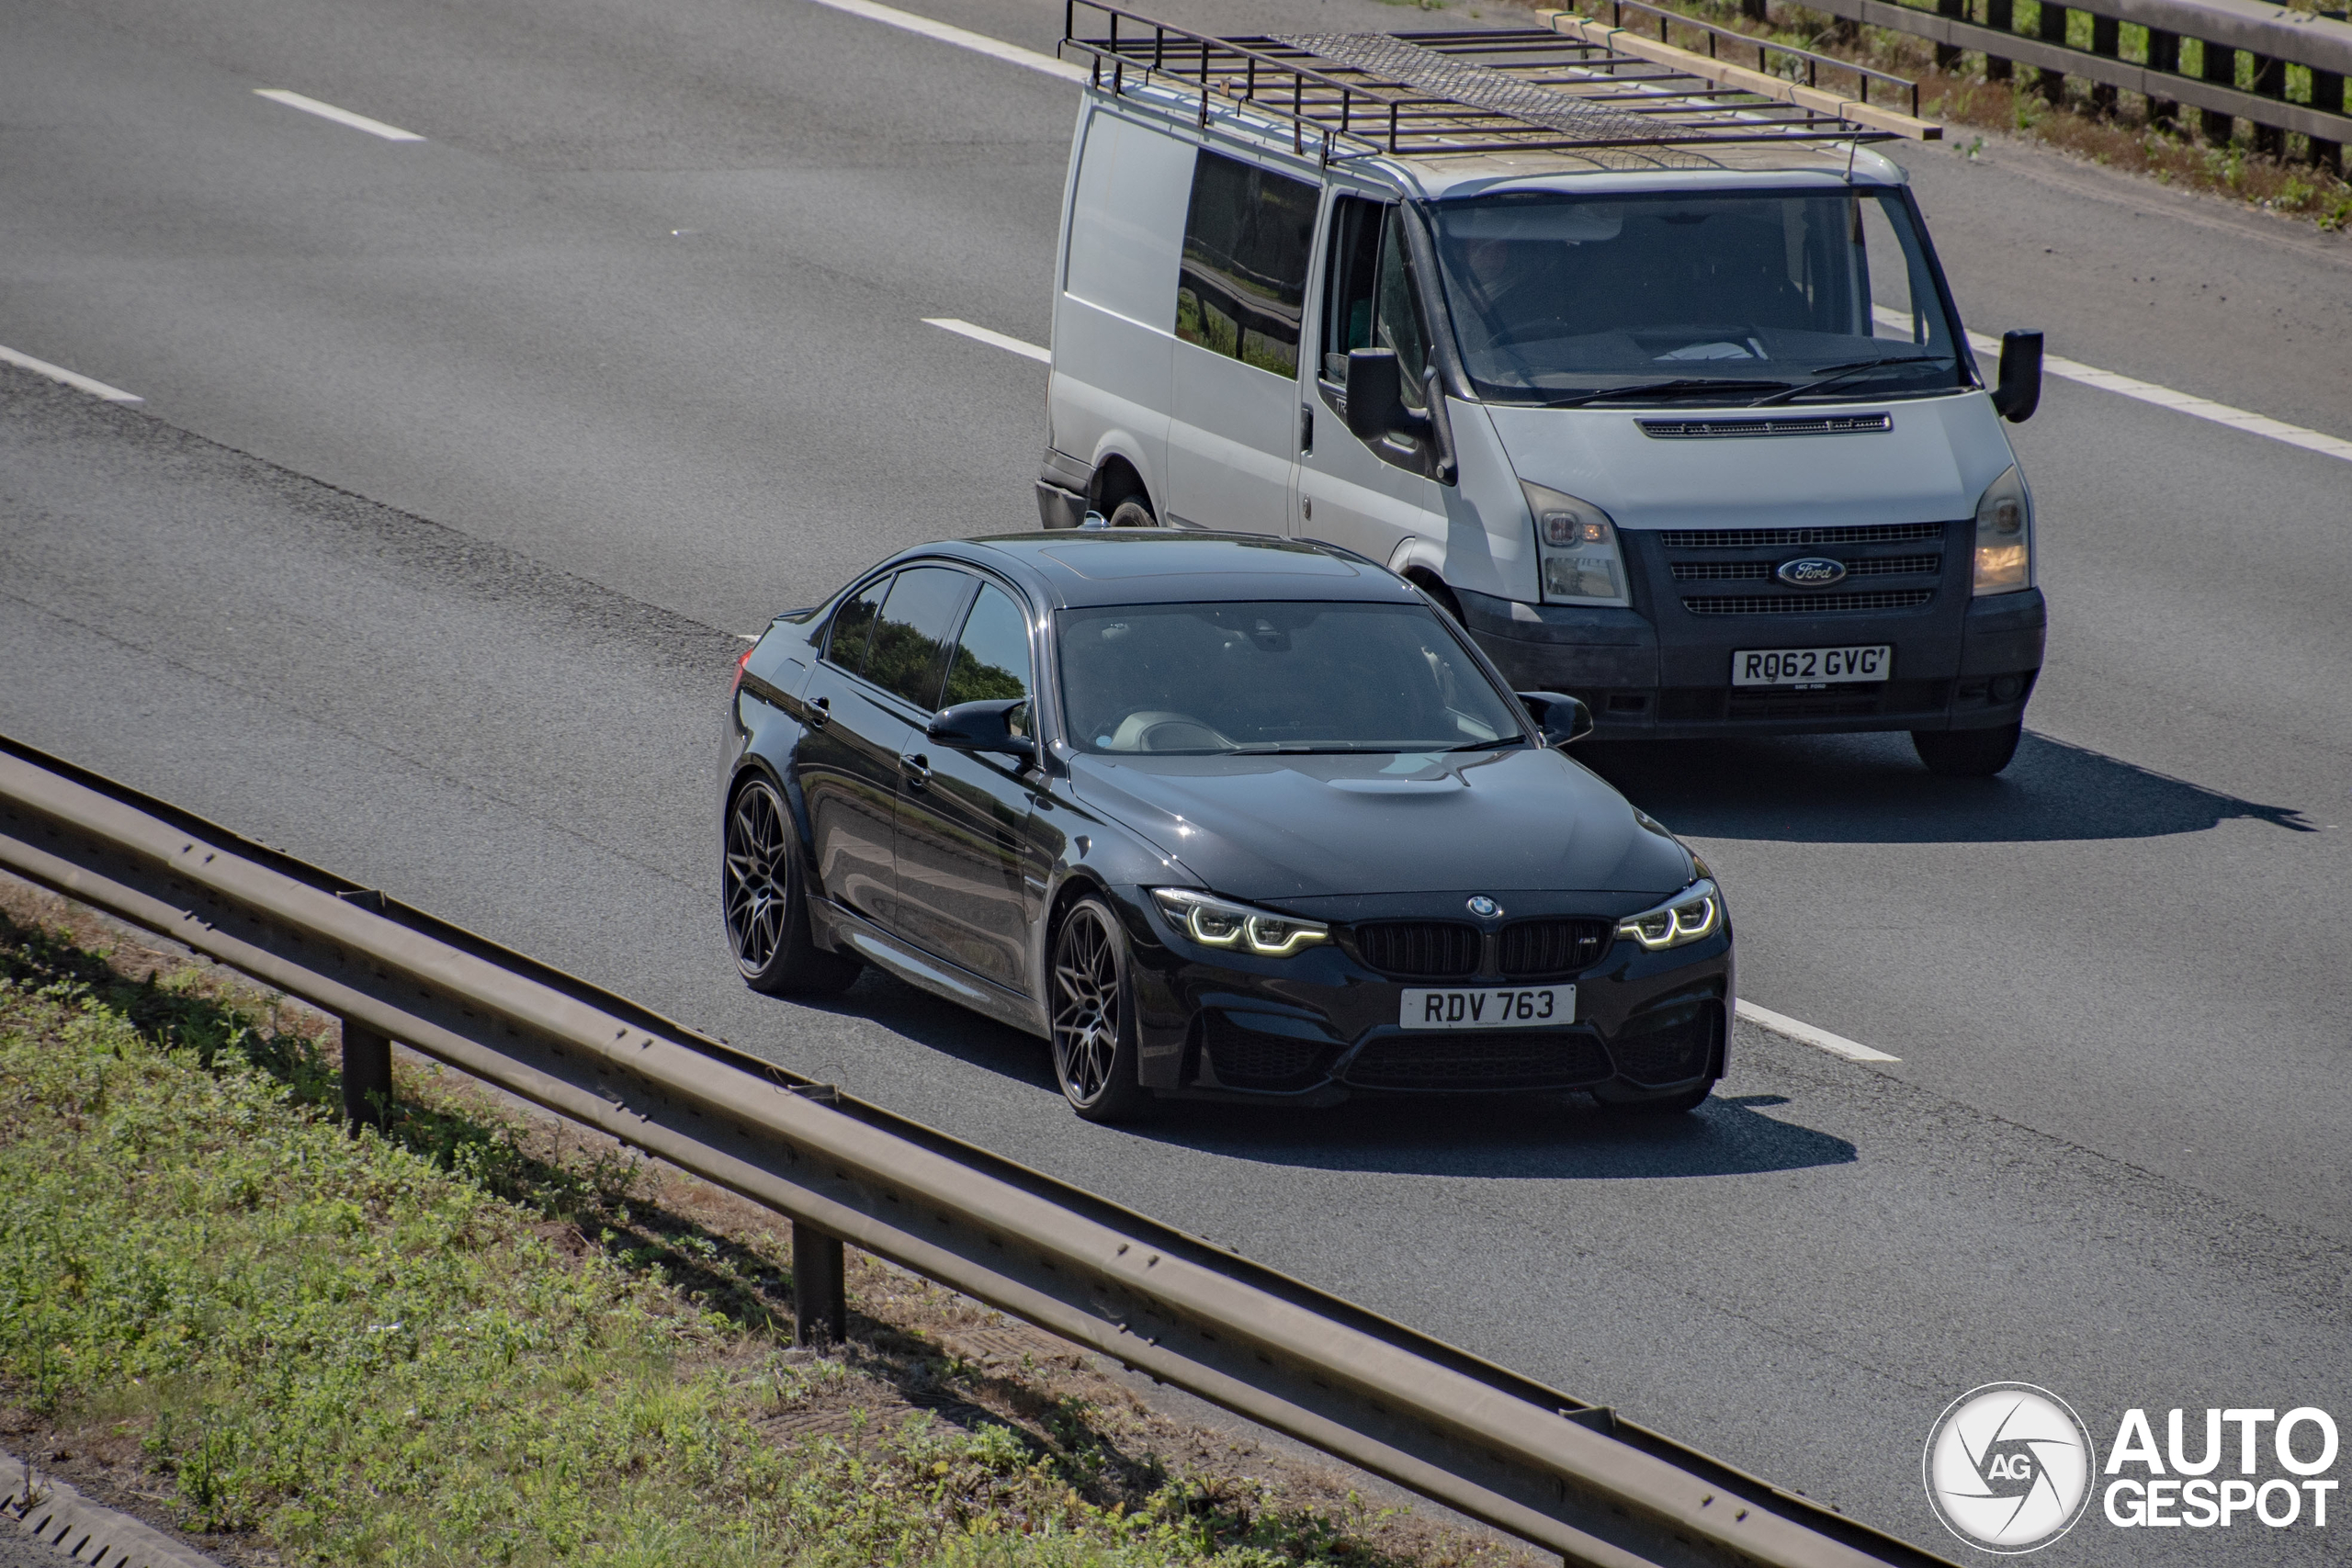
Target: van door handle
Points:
(917, 769)
(819, 711)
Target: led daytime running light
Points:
(1695, 912)
(1216, 923)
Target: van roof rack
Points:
(1579, 85)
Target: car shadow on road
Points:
(1872, 789)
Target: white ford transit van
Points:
(1653, 380)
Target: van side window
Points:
(852, 627)
(1370, 303)
(1243, 285)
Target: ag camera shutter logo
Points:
(2008, 1467)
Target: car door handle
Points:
(917, 769)
(819, 711)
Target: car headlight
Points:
(1695, 912)
(1219, 922)
(1575, 549)
(2004, 536)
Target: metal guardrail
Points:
(2273, 37)
(1555, 1472)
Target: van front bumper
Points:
(1960, 663)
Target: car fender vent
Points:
(1731, 429)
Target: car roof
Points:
(1074, 569)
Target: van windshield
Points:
(1715, 296)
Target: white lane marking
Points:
(341, 116)
(982, 334)
(978, 43)
(744, 636)
(59, 373)
(2162, 397)
(1806, 1034)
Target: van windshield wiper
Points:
(1833, 374)
(1683, 386)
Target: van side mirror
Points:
(1562, 718)
(982, 726)
(2019, 392)
(1376, 396)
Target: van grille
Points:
(1812, 604)
(1762, 570)
(1779, 538)
(1419, 950)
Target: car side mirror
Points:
(1376, 396)
(1562, 718)
(982, 726)
(2019, 392)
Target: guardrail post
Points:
(2164, 55)
(1947, 54)
(2269, 80)
(2327, 94)
(2106, 38)
(367, 1076)
(2222, 69)
(819, 1287)
(2001, 16)
(2052, 85)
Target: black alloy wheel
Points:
(766, 907)
(1093, 1017)
(1968, 753)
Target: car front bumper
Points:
(1324, 1024)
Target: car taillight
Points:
(735, 682)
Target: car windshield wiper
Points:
(1496, 744)
(1684, 387)
(1833, 374)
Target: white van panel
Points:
(1113, 320)
(1229, 445)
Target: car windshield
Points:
(1719, 297)
(1275, 676)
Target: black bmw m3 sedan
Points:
(1219, 816)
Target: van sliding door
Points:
(1240, 298)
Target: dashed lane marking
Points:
(1806, 1034)
(982, 334)
(978, 43)
(341, 116)
(80, 383)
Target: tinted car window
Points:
(1275, 676)
(909, 652)
(852, 627)
(991, 658)
(1244, 278)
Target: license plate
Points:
(1810, 666)
(1483, 1007)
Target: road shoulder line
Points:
(58, 373)
(983, 334)
(341, 116)
(978, 43)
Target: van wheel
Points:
(1132, 513)
(1095, 1017)
(766, 903)
(1968, 753)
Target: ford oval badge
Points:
(1812, 572)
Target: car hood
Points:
(1277, 828)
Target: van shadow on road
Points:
(1506, 1136)
(1872, 789)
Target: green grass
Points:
(358, 1350)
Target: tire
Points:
(1095, 1017)
(764, 898)
(1968, 753)
(1132, 513)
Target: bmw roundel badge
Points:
(1811, 572)
(1486, 908)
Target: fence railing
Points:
(2229, 38)
(1563, 1475)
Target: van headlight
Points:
(1694, 913)
(1219, 922)
(2004, 536)
(1575, 549)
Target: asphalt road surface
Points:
(462, 460)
